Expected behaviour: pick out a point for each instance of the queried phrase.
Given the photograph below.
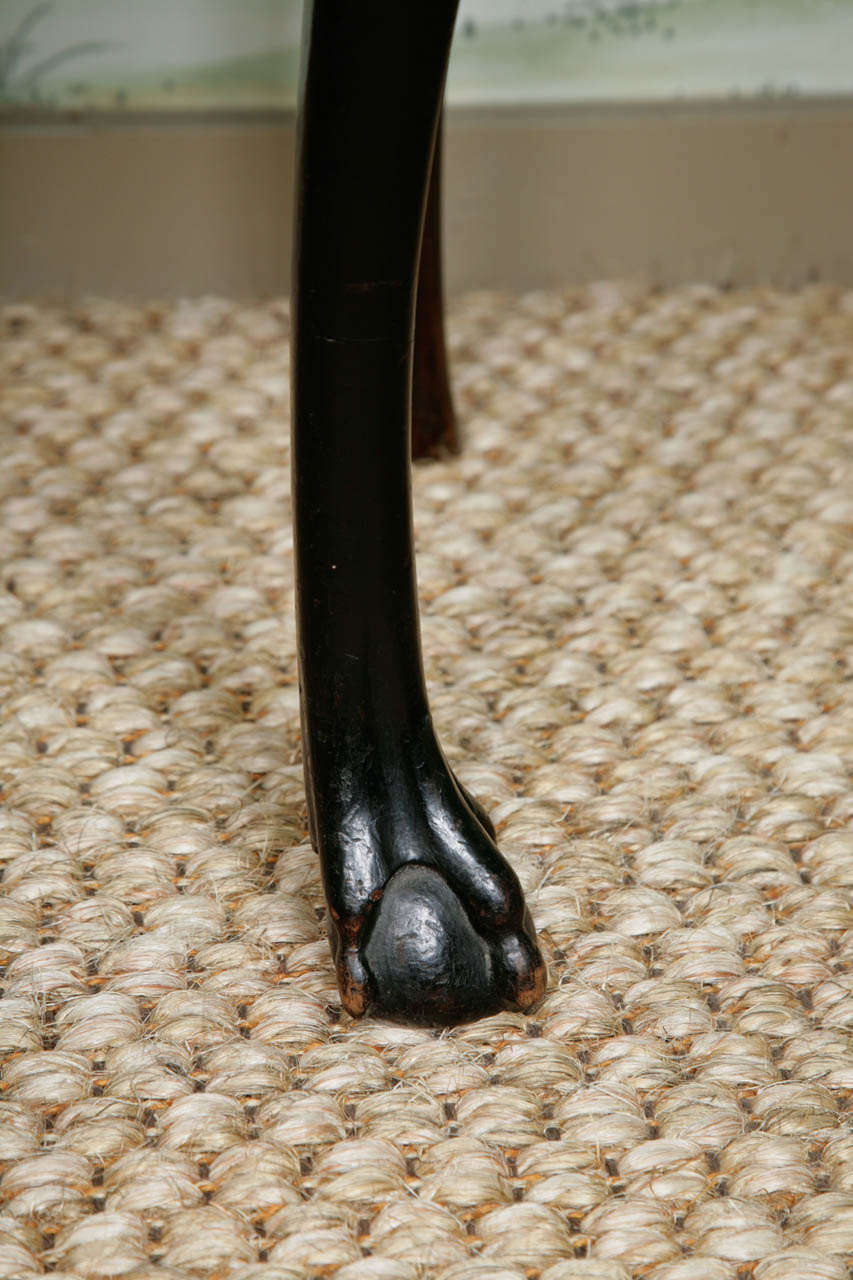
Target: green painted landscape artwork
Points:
(242, 55)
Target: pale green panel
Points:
(243, 54)
(610, 50)
(150, 54)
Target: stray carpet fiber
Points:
(637, 586)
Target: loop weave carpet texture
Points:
(637, 586)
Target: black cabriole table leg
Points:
(427, 921)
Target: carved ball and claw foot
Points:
(427, 920)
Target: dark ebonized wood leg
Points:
(426, 919)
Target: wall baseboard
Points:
(735, 192)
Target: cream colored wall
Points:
(725, 192)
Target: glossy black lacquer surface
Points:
(426, 919)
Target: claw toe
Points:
(353, 978)
(523, 968)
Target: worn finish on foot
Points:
(427, 920)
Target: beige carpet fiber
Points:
(637, 587)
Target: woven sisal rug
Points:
(637, 587)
